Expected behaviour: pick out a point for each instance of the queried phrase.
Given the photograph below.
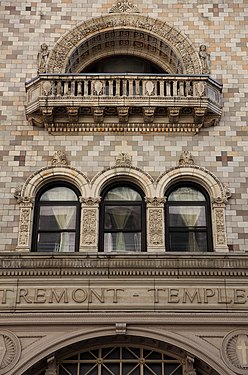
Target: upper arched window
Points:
(122, 221)
(188, 219)
(56, 219)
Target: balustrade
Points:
(172, 96)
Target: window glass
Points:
(187, 220)
(186, 194)
(187, 216)
(122, 193)
(122, 220)
(59, 193)
(56, 224)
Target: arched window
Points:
(122, 223)
(188, 219)
(56, 219)
(122, 360)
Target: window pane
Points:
(57, 217)
(59, 193)
(122, 241)
(186, 194)
(189, 216)
(188, 241)
(122, 218)
(122, 193)
(63, 242)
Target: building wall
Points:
(221, 149)
(192, 305)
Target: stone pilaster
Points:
(155, 224)
(89, 224)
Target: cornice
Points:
(129, 265)
(156, 318)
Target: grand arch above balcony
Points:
(87, 84)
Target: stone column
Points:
(155, 224)
(219, 224)
(24, 233)
(89, 224)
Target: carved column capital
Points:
(155, 201)
(189, 365)
(89, 201)
(51, 366)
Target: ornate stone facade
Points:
(168, 124)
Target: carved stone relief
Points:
(51, 366)
(124, 6)
(156, 233)
(177, 42)
(235, 351)
(123, 160)
(42, 58)
(186, 159)
(59, 158)
(189, 366)
(155, 222)
(89, 227)
(204, 56)
(10, 351)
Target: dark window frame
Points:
(201, 229)
(39, 204)
(122, 203)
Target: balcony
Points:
(123, 102)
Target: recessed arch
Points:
(217, 192)
(194, 173)
(122, 174)
(161, 340)
(52, 174)
(131, 34)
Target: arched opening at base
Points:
(122, 355)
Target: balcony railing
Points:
(86, 101)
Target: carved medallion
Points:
(10, 350)
(235, 351)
